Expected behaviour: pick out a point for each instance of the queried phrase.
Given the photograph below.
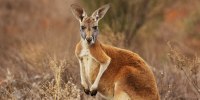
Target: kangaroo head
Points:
(89, 25)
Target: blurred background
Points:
(38, 38)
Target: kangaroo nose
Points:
(89, 39)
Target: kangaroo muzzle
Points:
(89, 39)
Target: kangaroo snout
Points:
(89, 39)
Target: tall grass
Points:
(41, 87)
(189, 66)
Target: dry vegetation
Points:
(37, 40)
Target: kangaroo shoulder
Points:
(98, 52)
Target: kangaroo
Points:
(117, 74)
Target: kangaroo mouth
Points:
(90, 40)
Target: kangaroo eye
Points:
(94, 27)
(83, 27)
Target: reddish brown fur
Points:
(126, 68)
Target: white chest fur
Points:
(89, 64)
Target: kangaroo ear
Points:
(78, 12)
(99, 13)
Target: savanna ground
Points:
(38, 37)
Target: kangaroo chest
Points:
(90, 65)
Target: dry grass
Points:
(189, 67)
(41, 87)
